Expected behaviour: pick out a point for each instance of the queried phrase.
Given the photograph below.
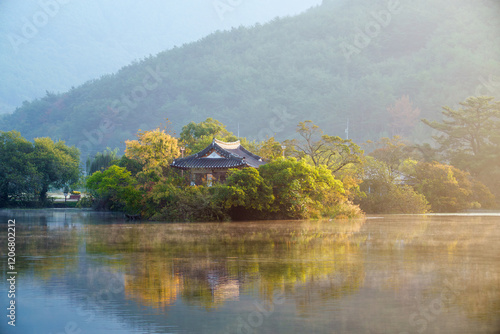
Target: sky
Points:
(51, 45)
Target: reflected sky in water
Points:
(95, 272)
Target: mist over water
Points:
(393, 274)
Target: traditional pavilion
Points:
(212, 163)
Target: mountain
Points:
(51, 45)
(338, 62)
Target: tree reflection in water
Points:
(389, 271)
(208, 264)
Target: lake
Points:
(88, 272)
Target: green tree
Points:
(132, 165)
(301, 190)
(115, 189)
(102, 160)
(57, 164)
(245, 188)
(19, 177)
(29, 169)
(320, 149)
(165, 201)
(196, 136)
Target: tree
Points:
(425, 152)
(114, 189)
(395, 183)
(470, 138)
(449, 189)
(102, 160)
(301, 190)
(392, 151)
(185, 204)
(469, 134)
(28, 169)
(19, 178)
(385, 191)
(57, 164)
(270, 149)
(403, 116)
(132, 165)
(385, 179)
(155, 150)
(320, 149)
(246, 188)
(197, 136)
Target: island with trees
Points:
(314, 175)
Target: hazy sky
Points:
(78, 40)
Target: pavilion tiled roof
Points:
(227, 155)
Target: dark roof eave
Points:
(230, 158)
(209, 167)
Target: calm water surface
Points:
(88, 272)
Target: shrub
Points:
(343, 210)
(394, 198)
(301, 190)
(189, 204)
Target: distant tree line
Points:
(462, 172)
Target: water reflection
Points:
(396, 274)
(209, 264)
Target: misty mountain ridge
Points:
(52, 45)
(336, 63)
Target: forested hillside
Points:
(382, 66)
(52, 45)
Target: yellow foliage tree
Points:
(154, 149)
